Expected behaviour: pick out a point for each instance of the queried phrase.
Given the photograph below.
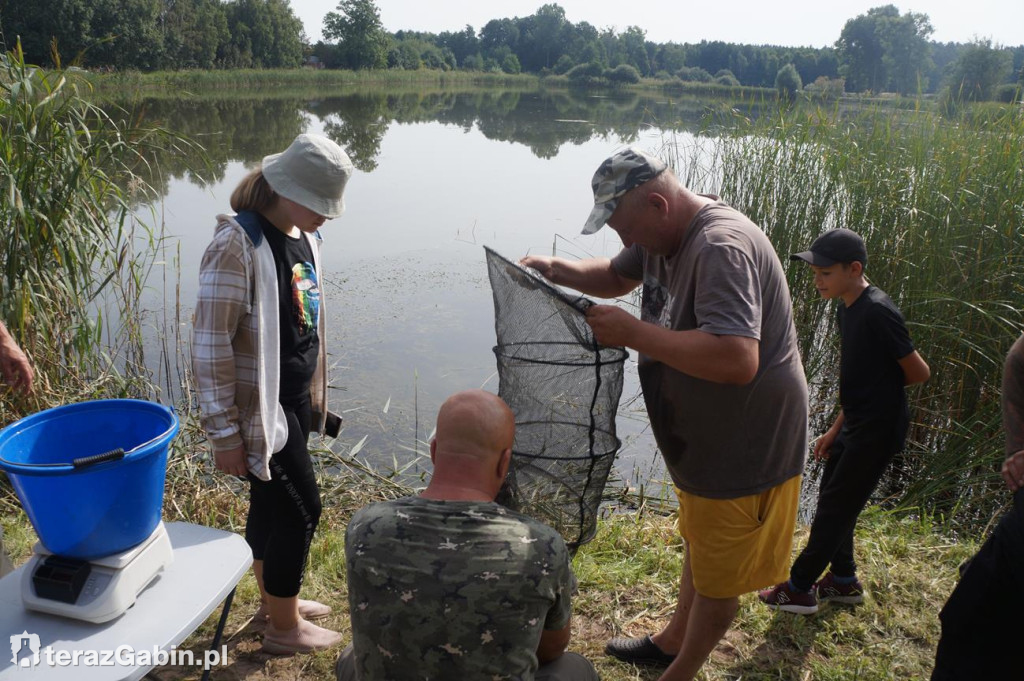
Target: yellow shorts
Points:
(739, 545)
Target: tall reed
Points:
(940, 204)
(249, 80)
(74, 255)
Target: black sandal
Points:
(638, 651)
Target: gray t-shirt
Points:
(723, 441)
(443, 590)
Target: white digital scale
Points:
(97, 590)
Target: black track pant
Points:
(284, 512)
(851, 474)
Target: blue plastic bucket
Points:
(90, 475)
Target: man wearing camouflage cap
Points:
(450, 585)
(722, 380)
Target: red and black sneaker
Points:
(786, 598)
(830, 590)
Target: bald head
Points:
(472, 447)
(474, 423)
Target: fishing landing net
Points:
(564, 389)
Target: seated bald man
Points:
(450, 585)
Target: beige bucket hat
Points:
(312, 172)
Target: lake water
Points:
(439, 175)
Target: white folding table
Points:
(207, 565)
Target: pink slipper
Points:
(308, 610)
(304, 638)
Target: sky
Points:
(811, 23)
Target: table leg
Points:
(220, 629)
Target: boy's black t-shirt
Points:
(871, 381)
(299, 305)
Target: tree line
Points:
(150, 35)
(879, 51)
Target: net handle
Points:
(581, 303)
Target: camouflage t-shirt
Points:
(447, 590)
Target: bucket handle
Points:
(81, 462)
(112, 455)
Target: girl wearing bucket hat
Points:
(258, 355)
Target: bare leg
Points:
(284, 612)
(285, 618)
(696, 627)
(308, 610)
(710, 618)
(670, 639)
(257, 571)
(288, 631)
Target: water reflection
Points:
(247, 128)
(410, 318)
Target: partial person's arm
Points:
(720, 359)
(823, 445)
(553, 643)
(723, 346)
(594, 276)
(221, 303)
(17, 370)
(915, 369)
(1013, 416)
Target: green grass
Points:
(628, 579)
(629, 575)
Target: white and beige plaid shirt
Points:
(235, 353)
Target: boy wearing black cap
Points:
(877, 359)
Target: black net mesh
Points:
(564, 389)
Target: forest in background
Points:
(882, 50)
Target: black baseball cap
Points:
(835, 246)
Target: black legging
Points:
(851, 474)
(284, 512)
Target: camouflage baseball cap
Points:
(619, 173)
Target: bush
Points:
(787, 82)
(673, 86)
(405, 56)
(828, 88)
(585, 73)
(1008, 93)
(473, 62)
(510, 64)
(623, 73)
(694, 74)
(727, 80)
(563, 64)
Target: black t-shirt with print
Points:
(871, 381)
(298, 291)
